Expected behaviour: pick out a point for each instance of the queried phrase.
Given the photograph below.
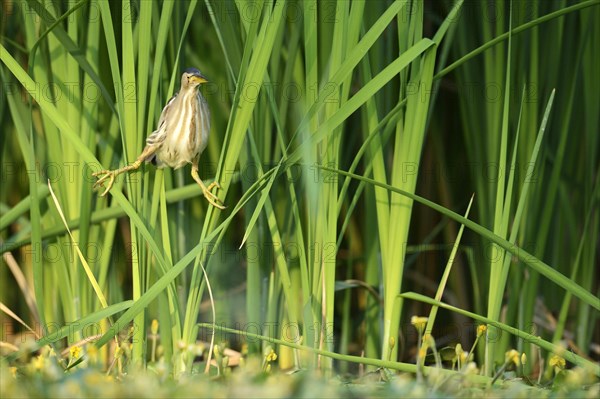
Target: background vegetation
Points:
(334, 126)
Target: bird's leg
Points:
(110, 175)
(210, 197)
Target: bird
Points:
(179, 139)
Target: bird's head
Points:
(192, 78)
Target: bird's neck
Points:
(188, 92)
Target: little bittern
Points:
(180, 138)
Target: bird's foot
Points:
(212, 198)
(103, 176)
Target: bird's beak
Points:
(199, 79)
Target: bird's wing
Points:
(158, 136)
(165, 110)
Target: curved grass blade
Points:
(518, 29)
(404, 367)
(444, 279)
(67, 131)
(527, 258)
(569, 356)
(82, 259)
(68, 43)
(73, 327)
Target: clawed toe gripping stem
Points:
(102, 176)
(210, 197)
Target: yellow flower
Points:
(461, 355)
(75, 351)
(272, 356)
(481, 329)
(419, 322)
(38, 363)
(512, 356)
(557, 362)
(523, 358)
(154, 327)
